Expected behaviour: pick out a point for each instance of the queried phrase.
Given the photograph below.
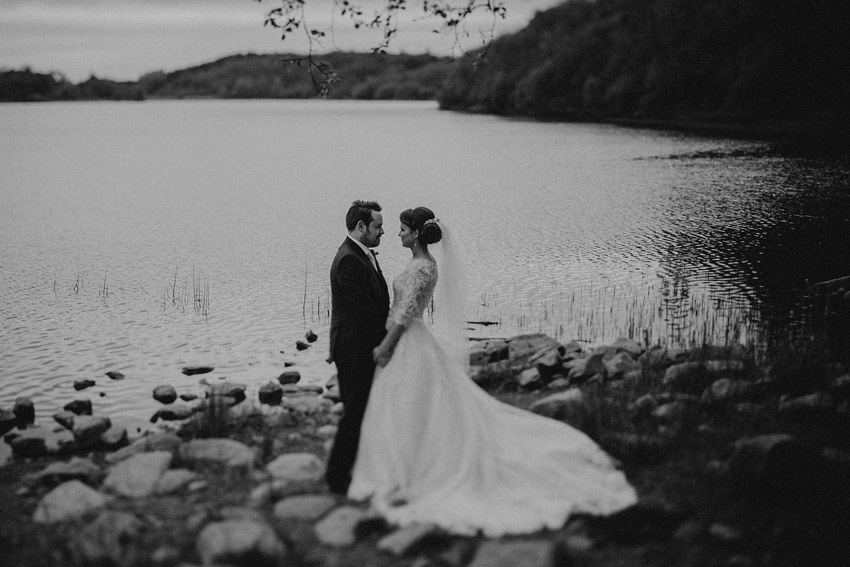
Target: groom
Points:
(359, 307)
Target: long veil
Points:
(451, 298)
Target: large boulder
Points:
(77, 468)
(68, 501)
(529, 378)
(165, 441)
(308, 405)
(65, 418)
(644, 405)
(228, 452)
(304, 507)
(548, 362)
(233, 390)
(619, 364)
(39, 441)
(297, 467)
(83, 384)
(240, 542)
(174, 412)
(690, 377)
(522, 347)
(88, 429)
(582, 369)
(79, 407)
(629, 346)
(725, 390)
(8, 421)
(559, 405)
(137, 476)
(165, 394)
(271, 394)
(173, 480)
(114, 438)
(340, 528)
(24, 411)
(488, 351)
(289, 377)
(660, 357)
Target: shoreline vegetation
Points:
(710, 66)
(735, 463)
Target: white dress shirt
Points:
(366, 250)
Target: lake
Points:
(145, 237)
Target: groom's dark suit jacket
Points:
(360, 303)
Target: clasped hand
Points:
(381, 355)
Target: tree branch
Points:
(290, 16)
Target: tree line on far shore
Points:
(357, 76)
(737, 61)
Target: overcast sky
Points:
(124, 39)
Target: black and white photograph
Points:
(444, 283)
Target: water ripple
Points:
(580, 231)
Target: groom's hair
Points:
(360, 211)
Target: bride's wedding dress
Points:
(435, 448)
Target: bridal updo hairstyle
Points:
(417, 218)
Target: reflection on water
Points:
(147, 237)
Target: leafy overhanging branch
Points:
(291, 17)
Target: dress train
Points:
(435, 448)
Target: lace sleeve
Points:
(415, 292)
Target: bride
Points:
(435, 448)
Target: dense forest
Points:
(352, 75)
(26, 85)
(734, 61)
(713, 60)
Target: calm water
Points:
(144, 237)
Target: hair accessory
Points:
(431, 221)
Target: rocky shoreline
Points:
(731, 467)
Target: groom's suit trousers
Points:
(354, 385)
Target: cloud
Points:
(126, 13)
